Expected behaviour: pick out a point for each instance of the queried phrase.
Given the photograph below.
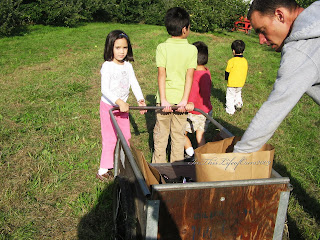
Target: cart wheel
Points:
(123, 210)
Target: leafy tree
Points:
(10, 16)
(305, 3)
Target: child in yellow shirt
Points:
(236, 74)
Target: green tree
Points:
(10, 16)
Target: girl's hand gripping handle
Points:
(123, 106)
(142, 104)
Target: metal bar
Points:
(153, 207)
(218, 125)
(126, 148)
(116, 158)
(219, 184)
(281, 215)
(274, 173)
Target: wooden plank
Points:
(246, 212)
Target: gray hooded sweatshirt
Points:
(299, 73)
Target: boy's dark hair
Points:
(176, 19)
(202, 52)
(238, 46)
(108, 48)
(268, 7)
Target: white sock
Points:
(102, 171)
(190, 151)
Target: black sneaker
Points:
(188, 158)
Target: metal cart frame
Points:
(160, 213)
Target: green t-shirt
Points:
(176, 56)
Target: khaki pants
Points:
(172, 124)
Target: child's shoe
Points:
(238, 107)
(106, 177)
(229, 113)
(188, 158)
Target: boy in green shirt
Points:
(176, 61)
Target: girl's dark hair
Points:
(238, 46)
(108, 48)
(267, 7)
(176, 19)
(202, 52)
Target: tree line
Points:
(206, 15)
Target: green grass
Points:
(50, 129)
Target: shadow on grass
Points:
(231, 128)
(98, 223)
(134, 125)
(18, 31)
(310, 205)
(150, 118)
(219, 94)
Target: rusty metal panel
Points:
(240, 212)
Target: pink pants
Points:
(109, 133)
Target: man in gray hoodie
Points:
(295, 32)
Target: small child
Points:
(200, 96)
(117, 76)
(236, 74)
(176, 60)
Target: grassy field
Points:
(50, 130)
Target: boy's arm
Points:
(228, 69)
(226, 75)
(187, 89)
(162, 89)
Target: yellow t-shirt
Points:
(176, 56)
(237, 68)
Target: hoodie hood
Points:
(307, 24)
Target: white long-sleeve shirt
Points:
(116, 81)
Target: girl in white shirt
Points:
(117, 76)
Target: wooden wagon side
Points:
(244, 209)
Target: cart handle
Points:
(224, 131)
(144, 188)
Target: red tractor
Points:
(243, 25)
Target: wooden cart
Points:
(242, 209)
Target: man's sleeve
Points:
(297, 73)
